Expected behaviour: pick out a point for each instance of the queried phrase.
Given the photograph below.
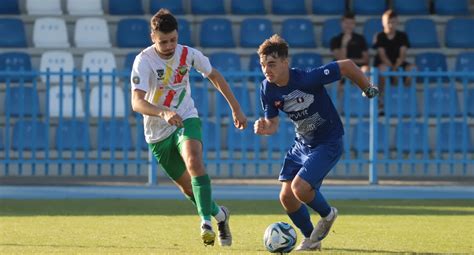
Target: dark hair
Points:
(390, 14)
(275, 45)
(348, 15)
(163, 21)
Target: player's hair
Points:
(163, 21)
(275, 45)
(348, 15)
(390, 14)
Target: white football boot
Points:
(308, 245)
(322, 228)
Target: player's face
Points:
(274, 68)
(389, 25)
(165, 43)
(348, 25)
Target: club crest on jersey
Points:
(278, 104)
(182, 70)
(136, 80)
(160, 73)
(300, 99)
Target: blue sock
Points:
(319, 204)
(302, 220)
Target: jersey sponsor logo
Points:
(298, 115)
(309, 124)
(297, 100)
(300, 100)
(326, 71)
(136, 80)
(160, 73)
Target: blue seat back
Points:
(283, 7)
(455, 136)
(451, 7)
(125, 7)
(216, 33)
(253, 31)
(306, 60)
(210, 135)
(361, 135)
(128, 64)
(442, 102)
(411, 136)
(470, 102)
(254, 63)
(22, 101)
(431, 61)
(333, 7)
(15, 61)
(401, 101)
(369, 7)
(2, 146)
(331, 28)
(184, 32)
(10, 7)
(72, 135)
(422, 33)
(352, 103)
(201, 97)
(133, 33)
(247, 7)
(457, 35)
(415, 7)
(109, 133)
(12, 33)
(207, 7)
(465, 61)
(225, 61)
(299, 33)
(29, 135)
(284, 138)
(176, 7)
(240, 140)
(371, 28)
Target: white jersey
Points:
(166, 83)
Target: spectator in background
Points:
(350, 45)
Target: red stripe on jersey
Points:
(169, 98)
(182, 64)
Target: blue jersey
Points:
(307, 103)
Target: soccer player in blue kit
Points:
(318, 144)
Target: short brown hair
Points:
(275, 45)
(390, 14)
(163, 21)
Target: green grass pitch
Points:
(172, 227)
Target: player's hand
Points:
(240, 120)
(371, 92)
(260, 126)
(172, 118)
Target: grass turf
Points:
(172, 227)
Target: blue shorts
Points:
(312, 164)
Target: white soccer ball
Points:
(279, 237)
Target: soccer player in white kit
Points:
(161, 92)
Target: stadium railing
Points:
(425, 128)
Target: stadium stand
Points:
(9, 7)
(133, 33)
(216, 33)
(109, 130)
(184, 32)
(401, 101)
(207, 7)
(470, 102)
(50, 33)
(29, 135)
(44, 7)
(333, 7)
(99, 61)
(72, 134)
(443, 102)
(92, 33)
(371, 28)
(15, 61)
(299, 33)
(361, 133)
(455, 33)
(21, 101)
(175, 6)
(107, 101)
(125, 7)
(413, 132)
(54, 61)
(416, 7)
(281, 7)
(331, 28)
(225, 61)
(421, 33)
(65, 101)
(253, 31)
(368, 7)
(2, 146)
(84, 7)
(454, 136)
(306, 60)
(247, 7)
(12, 33)
(451, 7)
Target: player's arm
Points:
(140, 105)
(240, 121)
(264, 126)
(353, 72)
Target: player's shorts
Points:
(168, 151)
(312, 164)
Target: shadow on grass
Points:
(118, 207)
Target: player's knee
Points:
(286, 197)
(194, 163)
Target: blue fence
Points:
(81, 124)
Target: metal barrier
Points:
(85, 127)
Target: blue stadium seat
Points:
(456, 35)
(470, 102)
(283, 7)
(451, 7)
(368, 7)
(416, 7)
(442, 101)
(331, 28)
(216, 33)
(299, 33)
(352, 103)
(254, 63)
(141, 142)
(2, 146)
(240, 140)
(410, 136)
(361, 135)
(465, 63)
(133, 33)
(333, 7)
(201, 97)
(422, 33)
(29, 135)
(184, 32)
(431, 61)
(225, 61)
(22, 101)
(72, 135)
(110, 130)
(253, 31)
(176, 7)
(306, 60)
(401, 100)
(242, 94)
(207, 7)
(9, 7)
(12, 33)
(125, 7)
(247, 7)
(15, 61)
(129, 58)
(371, 28)
(284, 138)
(454, 135)
(209, 136)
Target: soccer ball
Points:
(279, 237)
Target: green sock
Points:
(215, 207)
(203, 195)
